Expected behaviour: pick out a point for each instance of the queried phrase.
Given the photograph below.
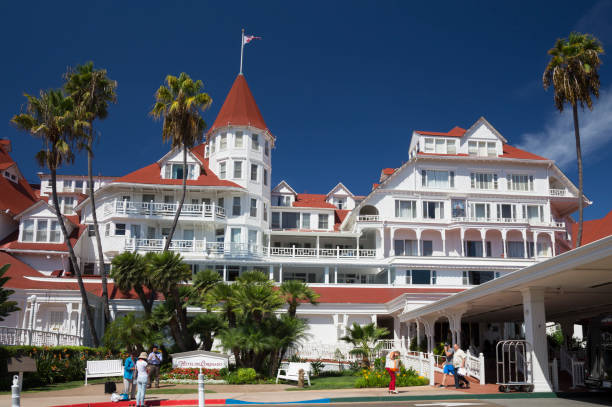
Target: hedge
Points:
(55, 364)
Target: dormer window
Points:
(440, 146)
(223, 142)
(482, 148)
(283, 200)
(175, 171)
(340, 203)
(46, 231)
(238, 143)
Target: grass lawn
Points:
(61, 386)
(174, 390)
(332, 382)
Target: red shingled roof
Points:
(151, 174)
(593, 230)
(239, 108)
(12, 242)
(388, 171)
(454, 132)
(312, 201)
(370, 295)
(339, 216)
(513, 152)
(15, 196)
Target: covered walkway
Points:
(572, 288)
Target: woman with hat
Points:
(142, 378)
(392, 366)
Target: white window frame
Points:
(323, 221)
(238, 165)
(412, 208)
(223, 170)
(255, 142)
(480, 179)
(256, 173)
(239, 140)
(253, 208)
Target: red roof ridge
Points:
(239, 108)
(454, 132)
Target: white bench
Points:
(292, 372)
(103, 368)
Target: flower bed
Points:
(190, 374)
(380, 378)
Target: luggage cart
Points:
(514, 366)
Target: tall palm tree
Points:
(572, 71)
(295, 292)
(92, 91)
(179, 103)
(129, 272)
(50, 118)
(365, 340)
(167, 271)
(6, 306)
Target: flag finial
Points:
(245, 40)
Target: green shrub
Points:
(380, 378)
(54, 364)
(316, 367)
(242, 376)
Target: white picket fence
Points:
(569, 362)
(18, 336)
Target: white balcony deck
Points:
(468, 219)
(18, 337)
(158, 209)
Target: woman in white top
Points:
(141, 379)
(391, 365)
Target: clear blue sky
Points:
(340, 84)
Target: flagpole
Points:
(241, 50)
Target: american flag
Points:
(249, 38)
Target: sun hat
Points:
(143, 355)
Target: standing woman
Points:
(391, 365)
(141, 379)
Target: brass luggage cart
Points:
(514, 366)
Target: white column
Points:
(483, 236)
(389, 276)
(535, 245)
(535, 334)
(280, 272)
(524, 233)
(504, 233)
(225, 272)
(271, 277)
(396, 328)
(553, 242)
(419, 244)
(373, 317)
(326, 274)
(318, 247)
(462, 234)
(357, 248)
(443, 234)
(335, 274)
(392, 242)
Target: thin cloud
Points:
(557, 140)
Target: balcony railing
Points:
(193, 246)
(326, 253)
(368, 218)
(557, 192)
(18, 336)
(203, 211)
(535, 222)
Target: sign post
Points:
(16, 396)
(20, 364)
(201, 389)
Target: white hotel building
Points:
(465, 208)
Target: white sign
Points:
(204, 360)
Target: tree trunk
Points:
(580, 186)
(176, 333)
(180, 207)
(73, 260)
(105, 304)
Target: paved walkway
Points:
(259, 393)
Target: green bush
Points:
(380, 378)
(316, 367)
(55, 364)
(242, 376)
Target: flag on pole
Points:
(248, 38)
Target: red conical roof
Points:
(239, 108)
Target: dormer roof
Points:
(239, 108)
(454, 132)
(482, 121)
(283, 184)
(338, 187)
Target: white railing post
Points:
(293, 251)
(554, 374)
(150, 208)
(337, 252)
(432, 369)
(30, 333)
(421, 372)
(57, 339)
(481, 364)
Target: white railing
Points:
(475, 366)
(553, 370)
(422, 363)
(313, 252)
(570, 364)
(368, 218)
(18, 336)
(557, 192)
(206, 211)
(195, 246)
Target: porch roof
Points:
(576, 284)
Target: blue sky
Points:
(341, 84)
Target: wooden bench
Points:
(103, 368)
(292, 372)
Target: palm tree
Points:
(167, 271)
(572, 71)
(50, 118)
(179, 104)
(132, 334)
(295, 292)
(6, 306)
(365, 340)
(129, 272)
(92, 91)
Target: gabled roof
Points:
(151, 174)
(454, 132)
(239, 108)
(312, 201)
(339, 216)
(15, 196)
(337, 187)
(282, 184)
(388, 171)
(593, 230)
(514, 152)
(484, 121)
